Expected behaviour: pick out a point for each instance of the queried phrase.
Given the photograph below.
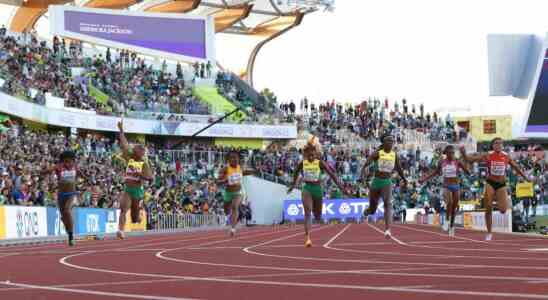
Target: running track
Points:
(346, 262)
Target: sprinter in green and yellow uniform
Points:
(232, 176)
(386, 161)
(137, 170)
(312, 194)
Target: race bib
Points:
(386, 166)
(311, 175)
(234, 179)
(68, 175)
(449, 171)
(498, 168)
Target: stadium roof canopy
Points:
(259, 21)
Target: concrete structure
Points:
(485, 128)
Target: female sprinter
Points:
(67, 173)
(386, 161)
(232, 176)
(449, 169)
(495, 184)
(137, 170)
(312, 194)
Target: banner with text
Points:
(55, 225)
(25, 222)
(72, 119)
(90, 220)
(174, 36)
(340, 209)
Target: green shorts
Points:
(315, 190)
(136, 193)
(229, 196)
(379, 183)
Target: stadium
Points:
(272, 149)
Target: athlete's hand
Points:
(121, 124)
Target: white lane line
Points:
(464, 249)
(317, 285)
(442, 234)
(396, 253)
(312, 273)
(161, 255)
(99, 284)
(90, 292)
(336, 236)
(392, 236)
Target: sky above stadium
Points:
(431, 52)
(428, 51)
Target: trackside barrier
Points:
(343, 210)
(22, 222)
(179, 221)
(472, 220)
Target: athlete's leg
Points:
(454, 206)
(503, 203)
(135, 211)
(66, 217)
(307, 207)
(374, 196)
(386, 193)
(235, 207)
(125, 203)
(488, 205)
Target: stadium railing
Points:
(163, 222)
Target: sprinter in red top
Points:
(495, 184)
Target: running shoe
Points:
(445, 227)
(308, 243)
(387, 234)
(488, 237)
(120, 235)
(71, 243)
(232, 232)
(451, 231)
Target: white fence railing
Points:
(181, 221)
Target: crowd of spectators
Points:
(31, 69)
(24, 154)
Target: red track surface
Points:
(346, 262)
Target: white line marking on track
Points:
(464, 249)
(161, 255)
(318, 285)
(392, 236)
(99, 284)
(90, 292)
(537, 249)
(336, 236)
(439, 255)
(312, 273)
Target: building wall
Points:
(479, 130)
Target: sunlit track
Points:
(351, 258)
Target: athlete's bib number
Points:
(449, 171)
(68, 175)
(311, 175)
(234, 179)
(386, 166)
(498, 168)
